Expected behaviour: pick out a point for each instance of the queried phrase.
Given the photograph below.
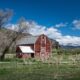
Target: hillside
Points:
(69, 47)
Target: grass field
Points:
(58, 67)
(15, 70)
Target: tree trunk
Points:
(7, 48)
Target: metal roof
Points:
(26, 49)
(27, 40)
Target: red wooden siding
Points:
(44, 43)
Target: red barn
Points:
(35, 47)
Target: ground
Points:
(62, 67)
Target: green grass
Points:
(39, 71)
(55, 68)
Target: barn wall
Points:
(46, 44)
(37, 47)
(23, 55)
(26, 55)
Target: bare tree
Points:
(5, 16)
(21, 27)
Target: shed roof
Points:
(26, 49)
(27, 40)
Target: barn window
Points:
(42, 37)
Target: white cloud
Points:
(56, 34)
(69, 40)
(61, 25)
(76, 24)
(52, 33)
(12, 27)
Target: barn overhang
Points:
(26, 49)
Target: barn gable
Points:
(43, 47)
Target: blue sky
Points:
(63, 15)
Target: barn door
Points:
(43, 47)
